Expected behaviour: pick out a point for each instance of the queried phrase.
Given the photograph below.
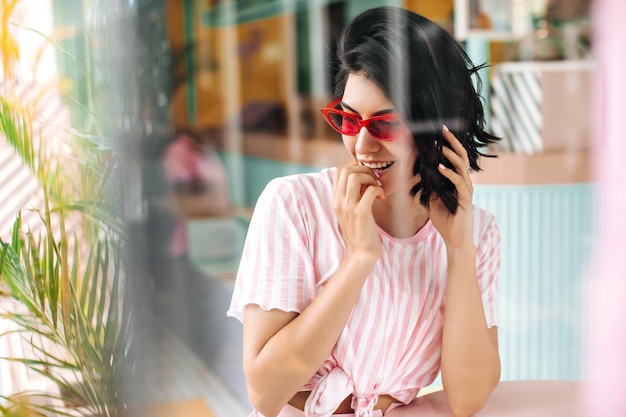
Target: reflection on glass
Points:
(131, 78)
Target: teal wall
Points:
(249, 175)
(547, 236)
(354, 7)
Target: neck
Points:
(400, 215)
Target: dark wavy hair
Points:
(427, 76)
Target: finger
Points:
(341, 186)
(455, 178)
(369, 196)
(464, 190)
(356, 182)
(342, 177)
(454, 143)
(354, 168)
(459, 164)
(338, 186)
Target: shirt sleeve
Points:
(276, 269)
(488, 266)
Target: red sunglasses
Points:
(385, 127)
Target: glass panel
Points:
(181, 114)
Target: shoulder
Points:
(483, 216)
(301, 199)
(307, 187)
(486, 226)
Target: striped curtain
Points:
(516, 107)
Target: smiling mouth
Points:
(378, 166)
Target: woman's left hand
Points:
(456, 229)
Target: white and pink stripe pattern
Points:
(392, 342)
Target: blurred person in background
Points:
(358, 284)
(197, 184)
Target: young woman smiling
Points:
(359, 284)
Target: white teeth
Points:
(377, 165)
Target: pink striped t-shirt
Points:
(392, 341)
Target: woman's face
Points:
(391, 160)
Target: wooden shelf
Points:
(322, 152)
(549, 167)
(554, 167)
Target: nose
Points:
(366, 143)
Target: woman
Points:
(358, 284)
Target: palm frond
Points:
(67, 280)
(92, 332)
(16, 128)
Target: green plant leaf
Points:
(93, 294)
(67, 279)
(17, 133)
(104, 290)
(111, 331)
(15, 236)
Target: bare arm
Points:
(470, 363)
(282, 351)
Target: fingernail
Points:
(376, 174)
(446, 128)
(442, 166)
(380, 184)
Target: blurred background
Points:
(138, 134)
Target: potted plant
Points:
(62, 283)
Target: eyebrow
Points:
(378, 113)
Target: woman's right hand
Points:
(355, 188)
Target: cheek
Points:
(349, 142)
(406, 145)
(405, 150)
(410, 156)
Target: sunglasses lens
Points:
(345, 124)
(350, 125)
(386, 129)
